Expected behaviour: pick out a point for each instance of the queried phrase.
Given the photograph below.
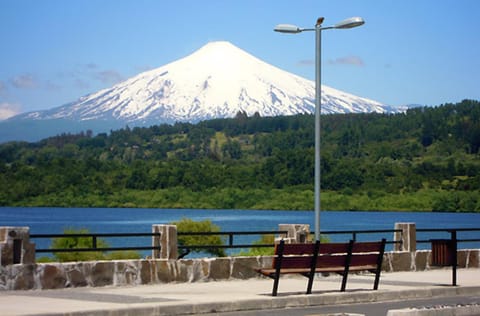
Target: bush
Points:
(261, 251)
(189, 225)
(76, 243)
(71, 242)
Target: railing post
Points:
(15, 246)
(166, 245)
(407, 237)
(297, 233)
(453, 254)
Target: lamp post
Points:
(293, 29)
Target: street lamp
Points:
(293, 29)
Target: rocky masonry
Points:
(19, 271)
(135, 272)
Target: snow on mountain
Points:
(216, 81)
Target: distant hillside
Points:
(424, 159)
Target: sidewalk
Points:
(235, 295)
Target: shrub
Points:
(189, 225)
(73, 242)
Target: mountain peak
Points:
(218, 45)
(216, 81)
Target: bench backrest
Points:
(367, 253)
(333, 254)
(294, 255)
(352, 254)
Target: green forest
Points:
(426, 159)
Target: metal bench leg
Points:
(310, 283)
(379, 264)
(377, 279)
(344, 282)
(313, 266)
(275, 284)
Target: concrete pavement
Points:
(236, 295)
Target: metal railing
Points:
(355, 233)
(230, 235)
(231, 245)
(449, 231)
(94, 237)
(444, 251)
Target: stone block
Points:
(198, 270)
(182, 269)
(75, 275)
(408, 237)
(463, 258)
(146, 272)
(125, 272)
(52, 276)
(296, 233)
(474, 259)
(401, 261)
(101, 273)
(15, 246)
(421, 260)
(168, 242)
(243, 267)
(220, 269)
(165, 270)
(22, 277)
(6, 254)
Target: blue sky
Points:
(412, 51)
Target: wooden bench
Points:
(309, 259)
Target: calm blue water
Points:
(105, 220)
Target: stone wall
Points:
(18, 270)
(154, 271)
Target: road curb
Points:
(287, 301)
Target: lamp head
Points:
(287, 28)
(349, 23)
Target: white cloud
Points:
(92, 71)
(348, 60)
(306, 62)
(24, 81)
(8, 110)
(3, 87)
(108, 76)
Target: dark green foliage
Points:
(189, 225)
(240, 162)
(78, 242)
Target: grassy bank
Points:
(294, 198)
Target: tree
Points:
(79, 242)
(76, 243)
(191, 226)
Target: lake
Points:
(51, 220)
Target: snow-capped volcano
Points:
(216, 81)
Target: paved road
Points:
(369, 309)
